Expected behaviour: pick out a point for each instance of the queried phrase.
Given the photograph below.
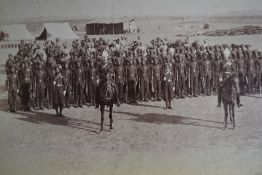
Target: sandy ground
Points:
(146, 138)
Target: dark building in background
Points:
(104, 29)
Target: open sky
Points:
(22, 9)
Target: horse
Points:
(106, 97)
(229, 89)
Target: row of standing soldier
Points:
(152, 73)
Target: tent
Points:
(57, 30)
(16, 32)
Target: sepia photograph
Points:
(131, 87)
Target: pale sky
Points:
(22, 9)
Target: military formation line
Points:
(48, 75)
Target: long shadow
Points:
(252, 96)
(41, 118)
(169, 119)
(146, 105)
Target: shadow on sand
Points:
(253, 96)
(171, 119)
(41, 117)
(147, 105)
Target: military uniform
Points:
(168, 84)
(119, 78)
(9, 64)
(78, 84)
(181, 73)
(143, 80)
(194, 76)
(12, 85)
(26, 85)
(92, 85)
(131, 81)
(39, 80)
(157, 79)
(67, 74)
(59, 92)
(50, 76)
(241, 72)
(105, 74)
(251, 73)
(259, 74)
(207, 74)
(227, 69)
(216, 72)
(86, 83)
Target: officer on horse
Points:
(227, 70)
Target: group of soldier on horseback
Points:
(99, 72)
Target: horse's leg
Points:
(233, 114)
(226, 113)
(110, 115)
(230, 112)
(102, 109)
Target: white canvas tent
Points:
(57, 30)
(16, 32)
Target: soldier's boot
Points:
(166, 104)
(158, 96)
(75, 101)
(56, 110)
(182, 94)
(111, 121)
(67, 105)
(238, 101)
(40, 105)
(225, 121)
(60, 111)
(49, 106)
(11, 108)
(14, 108)
(117, 99)
(169, 105)
(219, 97)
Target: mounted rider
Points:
(105, 72)
(228, 70)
